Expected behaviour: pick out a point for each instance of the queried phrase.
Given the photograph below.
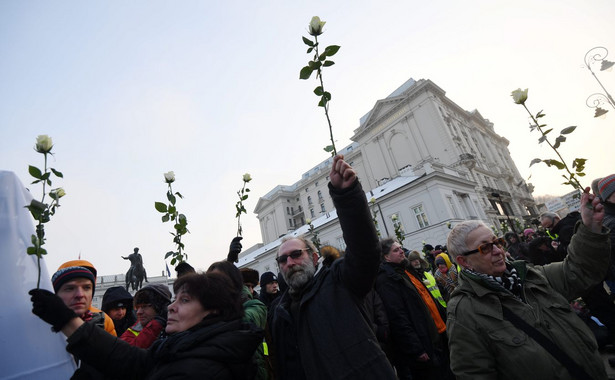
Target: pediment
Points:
(381, 108)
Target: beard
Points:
(299, 275)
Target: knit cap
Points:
(64, 275)
(79, 263)
(443, 259)
(527, 232)
(158, 295)
(606, 187)
(268, 278)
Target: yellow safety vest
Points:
(432, 286)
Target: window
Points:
(309, 200)
(341, 243)
(287, 211)
(292, 211)
(312, 212)
(450, 202)
(420, 215)
(319, 195)
(316, 184)
(306, 189)
(290, 222)
(322, 207)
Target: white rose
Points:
(247, 177)
(308, 221)
(43, 144)
(316, 26)
(59, 193)
(519, 96)
(373, 200)
(169, 177)
(394, 217)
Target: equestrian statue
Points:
(136, 273)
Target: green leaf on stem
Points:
(318, 91)
(547, 131)
(328, 63)
(331, 50)
(35, 172)
(542, 139)
(535, 161)
(165, 218)
(539, 114)
(558, 141)
(171, 198)
(161, 207)
(555, 163)
(306, 72)
(307, 41)
(57, 173)
(568, 130)
(328, 148)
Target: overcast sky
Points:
(210, 90)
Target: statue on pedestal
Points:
(136, 273)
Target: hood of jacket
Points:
(116, 293)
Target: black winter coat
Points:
(564, 230)
(331, 337)
(210, 350)
(413, 331)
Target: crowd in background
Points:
(531, 304)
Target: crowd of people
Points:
(479, 307)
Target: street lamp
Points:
(598, 54)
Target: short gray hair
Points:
(550, 215)
(456, 242)
(308, 243)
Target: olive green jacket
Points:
(485, 346)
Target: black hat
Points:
(268, 278)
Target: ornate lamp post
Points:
(596, 100)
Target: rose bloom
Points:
(316, 26)
(59, 192)
(43, 144)
(247, 177)
(519, 96)
(169, 177)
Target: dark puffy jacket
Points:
(564, 230)
(332, 338)
(217, 350)
(413, 331)
(113, 295)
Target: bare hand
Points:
(342, 175)
(592, 217)
(423, 357)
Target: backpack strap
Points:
(575, 370)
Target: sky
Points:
(211, 90)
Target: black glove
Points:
(234, 250)
(50, 308)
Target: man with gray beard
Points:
(318, 326)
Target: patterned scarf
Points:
(508, 281)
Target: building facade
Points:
(423, 160)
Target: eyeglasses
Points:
(142, 306)
(487, 248)
(293, 255)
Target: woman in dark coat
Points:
(206, 336)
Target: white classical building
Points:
(422, 160)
